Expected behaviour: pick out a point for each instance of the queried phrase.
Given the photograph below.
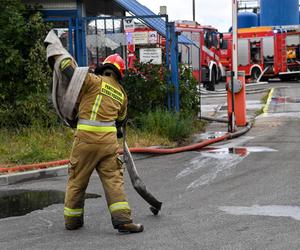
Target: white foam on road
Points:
(271, 210)
(207, 166)
(247, 149)
(215, 163)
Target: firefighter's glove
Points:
(119, 132)
(119, 124)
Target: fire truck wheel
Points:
(255, 73)
(211, 85)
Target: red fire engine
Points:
(205, 60)
(264, 52)
(206, 53)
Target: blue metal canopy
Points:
(157, 24)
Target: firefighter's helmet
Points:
(114, 62)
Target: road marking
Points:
(266, 108)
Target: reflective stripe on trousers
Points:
(76, 212)
(96, 126)
(119, 206)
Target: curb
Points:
(14, 178)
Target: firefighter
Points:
(100, 111)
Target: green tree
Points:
(24, 75)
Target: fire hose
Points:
(136, 181)
(195, 146)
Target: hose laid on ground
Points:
(212, 119)
(34, 166)
(195, 146)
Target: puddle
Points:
(289, 115)
(285, 99)
(242, 151)
(214, 161)
(21, 202)
(272, 210)
(234, 150)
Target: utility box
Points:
(239, 91)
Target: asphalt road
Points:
(241, 194)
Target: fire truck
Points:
(205, 58)
(264, 53)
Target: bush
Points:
(24, 74)
(189, 96)
(169, 124)
(147, 90)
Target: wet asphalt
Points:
(238, 194)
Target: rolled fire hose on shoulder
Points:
(136, 181)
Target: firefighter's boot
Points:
(130, 228)
(74, 224)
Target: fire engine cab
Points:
(204, 60)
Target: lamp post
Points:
(234, 38)
(234, 72)
(194, 13)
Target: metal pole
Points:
(194, 13)
(168, 62)
(83, 41)
(71, 37)
(234, 73)
(199, 83)
(125, 47)
(105, 31)
(234, 38)
(97, 43)
(175, 66)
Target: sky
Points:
(208, 12)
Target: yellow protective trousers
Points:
(85, 157)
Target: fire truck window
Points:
(255, 52)
(208, 40)
(215, 41)
(224, 44)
